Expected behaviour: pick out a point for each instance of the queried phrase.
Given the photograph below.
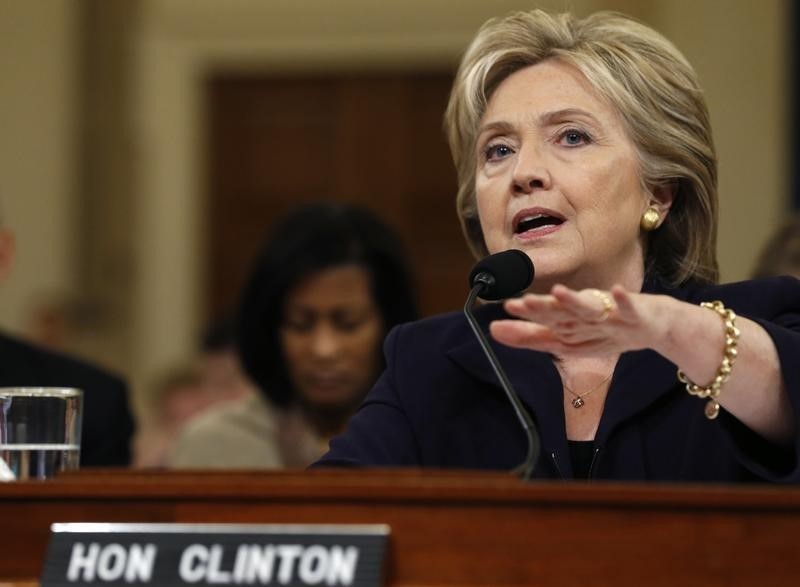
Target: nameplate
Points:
(214, 554)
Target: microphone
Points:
(496, 277)
(502, 274)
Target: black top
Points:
(439, 404)
(581, 454)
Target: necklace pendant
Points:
(712, 409)
(578, 402)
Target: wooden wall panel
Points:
(373, 140)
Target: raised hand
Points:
(589, 322)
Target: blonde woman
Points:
(587, 145)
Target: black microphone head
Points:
(510, 271)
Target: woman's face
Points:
(557, 177)
(331, 336)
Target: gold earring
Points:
(650, 219)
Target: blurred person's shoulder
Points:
(23, 363)
(108, 423)
(235, 434)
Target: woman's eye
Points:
(497, 152)
(298, 324)
(295, 327)
(347, 323)
(574, 138)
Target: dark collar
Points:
(640, 378)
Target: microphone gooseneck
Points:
(499, 276)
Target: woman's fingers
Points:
(521, 334)
(530, 305)
(564, 305)
(568, 322)
(590, 305)
(624, 302)
(527, 335)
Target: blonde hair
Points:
(654, 90)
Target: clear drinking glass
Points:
(40, 431)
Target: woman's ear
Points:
(661, 198)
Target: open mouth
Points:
(530, 222)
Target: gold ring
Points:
(608, 305)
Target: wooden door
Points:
(375, 140)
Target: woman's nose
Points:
(530, 173)
(325, 342)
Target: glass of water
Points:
(40, 431)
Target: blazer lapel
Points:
(537, 382)
(640, 379)
(532, 374)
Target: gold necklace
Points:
(578, 402)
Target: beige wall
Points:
(37, 136)
(736, 45)
(739, 51)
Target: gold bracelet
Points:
(711, 391)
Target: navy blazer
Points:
(438, 403)
(107, 423)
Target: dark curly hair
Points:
(310, 239)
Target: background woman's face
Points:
(557, 176)
(331, 336)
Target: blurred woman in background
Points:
(330, 282)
